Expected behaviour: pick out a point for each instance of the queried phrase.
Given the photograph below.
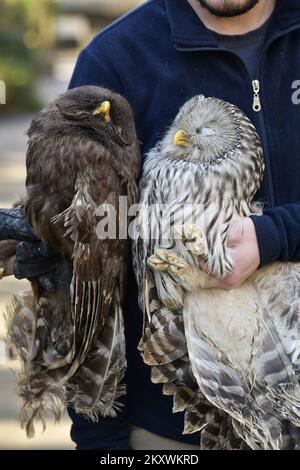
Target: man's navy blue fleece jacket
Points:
(158, 56)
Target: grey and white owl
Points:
(231, 359)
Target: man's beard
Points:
(228, 8)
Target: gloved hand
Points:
(34, 260)
(13, 227)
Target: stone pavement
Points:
(12, 177)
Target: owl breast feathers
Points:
(83, 154)
(229, 358)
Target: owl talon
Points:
(164, 260)
(193, 239)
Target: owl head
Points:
(92, 110)
(205, 131)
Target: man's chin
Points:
(228, 8)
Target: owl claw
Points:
(164, 260)
(193, 239)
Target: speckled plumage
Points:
(229, 358)
(81, 154)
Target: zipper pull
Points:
(256, 97)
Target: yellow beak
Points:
(104, 108)
(180, 139)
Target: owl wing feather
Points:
(93, 283)
(283, 304)
(163, 343)
(274, 393)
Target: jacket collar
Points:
(188, 30)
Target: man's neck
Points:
(237, 25)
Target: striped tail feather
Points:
(100, 377)
(38, 388)
(219, 434)
(166, 343)
(197, 414)
(163, 346)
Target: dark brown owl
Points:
(83, 154)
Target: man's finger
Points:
(235, 233)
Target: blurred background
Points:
(39, 42)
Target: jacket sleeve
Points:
(106, 433)
(278, 233)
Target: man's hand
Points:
(243, 246)
(34, 259)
